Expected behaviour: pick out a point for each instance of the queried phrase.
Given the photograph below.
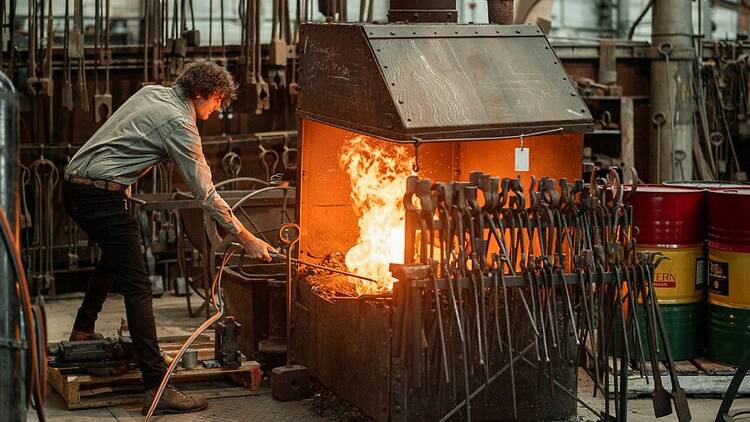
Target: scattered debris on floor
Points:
(328, 405)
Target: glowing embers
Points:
(377, 171)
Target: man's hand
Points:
(254, 247)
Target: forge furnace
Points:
(461, 98)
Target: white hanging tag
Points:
(522, 158)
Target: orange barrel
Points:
(728, 274)
(672, 221)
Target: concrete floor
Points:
(171, 317)
(641, 409)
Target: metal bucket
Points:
(728, 274)
(672, 221)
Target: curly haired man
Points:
(156, 124)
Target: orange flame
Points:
(378, 173)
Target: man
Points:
(156, 124)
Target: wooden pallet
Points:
(82, 391)
(698, 366)
(699, 377)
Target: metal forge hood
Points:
(436, 81)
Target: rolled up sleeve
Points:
(183, 145)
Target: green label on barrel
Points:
(718, 277)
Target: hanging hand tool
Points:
(46, 85)
(72, 229)
(678, 394)
(147, 8)
(26, 222)
(223, 60)
(533, 267)
(181, 42)
(77, 51)
(103, 102)
(661, 398)
(444, 194)
(44, 180)
(98, 101)
(543, 215)
(519, 220)
(261, 87)
(476, 232)
(493, 203)
(176, 45)
(246, 60)
(489, 187)
(427, 224)
(3, 18)
(67, 90)
(192, 36)
(10, 71)
(32, 81)
(289, 155)
(277, 59)
(210, 29)
(293, 86)
(554, 203)
(633, 294)
(159, 29)
(498, 274)
(231, 162)
(269, 158)
(475, 274)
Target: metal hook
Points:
(665, 48)
(658, 119)
(417, 143)
(285, 236)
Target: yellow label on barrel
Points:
(681, 278)
(729, 279)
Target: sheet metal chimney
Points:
(500, 11)
(421, 11)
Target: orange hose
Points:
(207, 323)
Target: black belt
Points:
(101, 184)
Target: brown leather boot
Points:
(76, 335)
(173, 401)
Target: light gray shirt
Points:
(154, 125)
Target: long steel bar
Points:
(519, 281)
(506, 367)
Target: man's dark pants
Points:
(102, 214)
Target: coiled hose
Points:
(34, 323)
(218, 305)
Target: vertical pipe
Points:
(12, 375)
(671, 91)
(606, 23)
(705, 22)
(500, 11)
(623, 18)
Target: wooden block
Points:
(685, 367)
(204, 353)
(705, 386)
(662, 368)
(713, 368)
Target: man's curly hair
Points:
(203, 78)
